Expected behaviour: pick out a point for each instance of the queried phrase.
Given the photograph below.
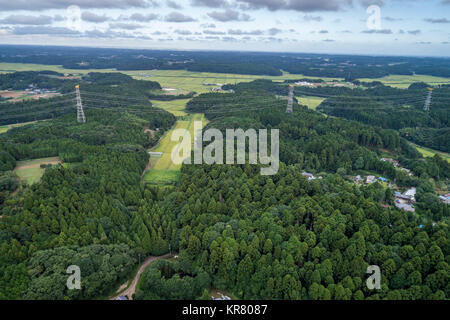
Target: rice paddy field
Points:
(30, 170)
(401, 81)
(310, 101)
(427, 152)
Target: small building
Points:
(122, 298)
(310, 176)
(404, 206)
(445, 198)
(370, 179)
(358, 179)
(394, 162)
(155, 154)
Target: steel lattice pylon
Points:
(80, 113)
(290, 99)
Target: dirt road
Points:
(132, 288)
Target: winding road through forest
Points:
(132, 288)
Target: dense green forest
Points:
(98, 90)
(378, 105)
(257, 237)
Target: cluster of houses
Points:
(307, 84)
(368, 180)
(396, 164)
(221, 297)
(445, 198)
(405, 200)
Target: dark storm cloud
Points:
(178, 17)
(27, 20)
(229, 15)
(93, 17)
(38, 5)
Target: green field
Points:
(427, 152)
(400, 81)
(176, 107)
(30, 170)
(15, 125)
(181, 80)
(163, 170)
(6, 67)
(310, 101)
(186, 81)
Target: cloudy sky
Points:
(398, 27)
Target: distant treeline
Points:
(170, 97)
(349, 67)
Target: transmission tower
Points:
(290, 99)
(80, 113)
(426, 107)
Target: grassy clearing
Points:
(310, 101)
(30, 170)
(166, 145)
(162, 176)
(163, 170)
(427, 152)
(400, 81)
(176, 107)
(3, 129)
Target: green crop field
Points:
(183, 80)
(3, 129)
(30, 170)
(401, 81)
(310, 101)
(6, 67)
(427, 152)
(176, 107)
